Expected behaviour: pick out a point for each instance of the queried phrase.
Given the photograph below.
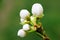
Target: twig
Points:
(40, 31)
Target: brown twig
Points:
(41, 32)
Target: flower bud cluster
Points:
(26, 20)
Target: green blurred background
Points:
(9, 18)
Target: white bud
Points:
(21, 33)
(24, 13)
(22, 20)
(37, 9)
(26, 27)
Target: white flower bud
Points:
(21, 33)
(24, 14)
(26, 27)
(22, 20)
(37, 9)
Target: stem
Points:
(40, 31)
(40, 35)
